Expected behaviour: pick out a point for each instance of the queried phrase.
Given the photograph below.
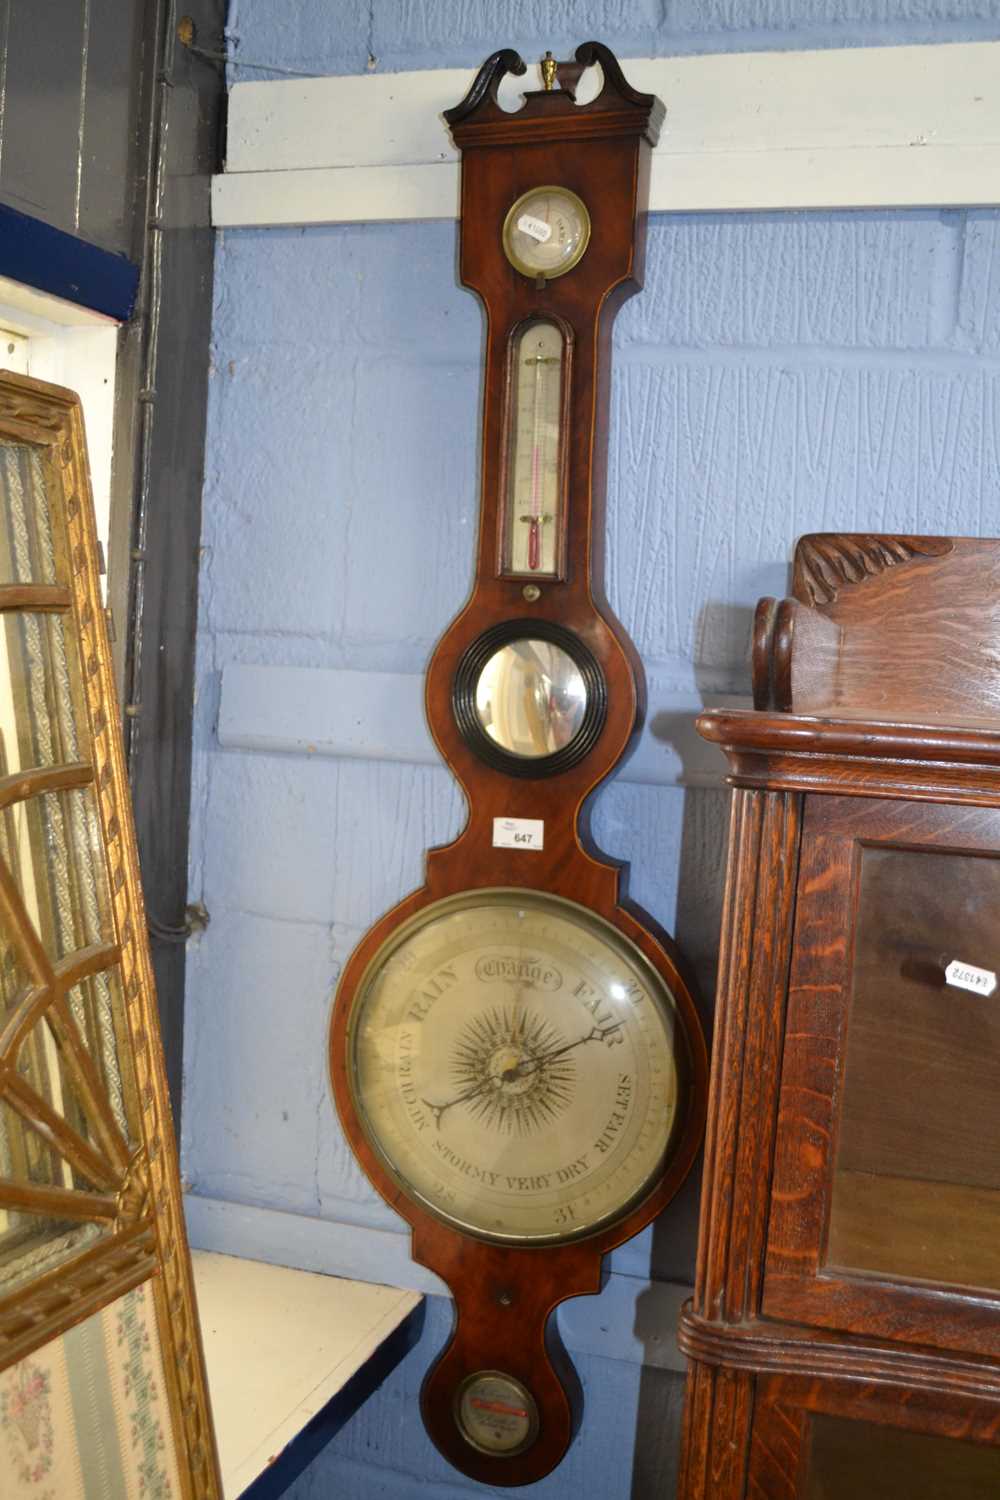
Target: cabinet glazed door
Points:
(814, 1440)
(102, 1387)
(886, 1212)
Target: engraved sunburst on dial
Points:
(504, 1069)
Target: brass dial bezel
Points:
(523, 266)
(531, 1420)
(660, 994)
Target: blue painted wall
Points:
(780, 373)
(317, 36)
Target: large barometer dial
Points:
(515, 1053)
(514, 1064)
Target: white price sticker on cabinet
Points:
(518, 833)
(536, 228)
(968, 977)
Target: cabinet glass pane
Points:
(916, 1189)
(28, 544)
(861, 1461)
(58, 867)
(42, 719)
(98, 1008)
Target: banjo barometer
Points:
(515, 1055)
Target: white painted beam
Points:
(334, 195)
(858, 127)
(36, 311)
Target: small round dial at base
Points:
(513, 1063)
(496, 1413)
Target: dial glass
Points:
(546, 232)
(531, 698)
(496, 1413)
(532, 529)
(513, 1063)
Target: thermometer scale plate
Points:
(535, 509)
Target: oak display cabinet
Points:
(844, 1336)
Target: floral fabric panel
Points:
(86, 1417)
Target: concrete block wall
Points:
(780, 373)
(316, 36)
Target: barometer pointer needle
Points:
(437, 1110)
(510, 1075)
(595, 1034)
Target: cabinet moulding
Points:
(769, 1347)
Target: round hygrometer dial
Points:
(546, 232)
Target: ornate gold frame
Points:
(139, 1196)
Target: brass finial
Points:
(548, 66)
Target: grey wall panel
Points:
(109, 139)
(173, 326)
(69, 113)
(39, 162)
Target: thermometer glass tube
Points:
(532, 544)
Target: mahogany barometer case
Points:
(844, 1336)
(515, 1052)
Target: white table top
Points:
(279, 1345)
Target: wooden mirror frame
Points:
(137, 1195)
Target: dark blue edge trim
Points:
(300, 1452)
(52, 261)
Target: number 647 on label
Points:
(518, 833)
